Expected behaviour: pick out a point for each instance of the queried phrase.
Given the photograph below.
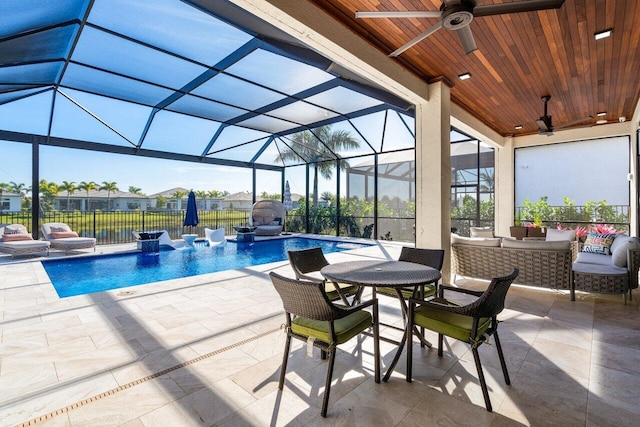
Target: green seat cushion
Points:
(346, 328)
(446, 323)
(406, 292)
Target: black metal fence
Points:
(117, 227)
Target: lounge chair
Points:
(16, 241)
(166, 240)
(267, 216)
(215, 237)
(62, 237)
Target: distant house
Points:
(238, 201)
(11, 202)
(98, 199)
(203, 203)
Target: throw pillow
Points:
(278, 220)
(619, 253)
(481, 232)
(63, 234)
(16, 237)
(598, 243)
(555, 235)
(59, 229)
(15, 230)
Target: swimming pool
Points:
(79, 276)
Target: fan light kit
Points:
(456, 15)
(545, 125)
(603, 34)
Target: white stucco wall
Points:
(592, 170)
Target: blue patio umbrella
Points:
(191, 216)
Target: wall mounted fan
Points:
(456, 15)
(545, 124)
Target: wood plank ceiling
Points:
(520, 58)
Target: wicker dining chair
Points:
(429, 257)
(473, 323)
(306, 261)
(311, 317)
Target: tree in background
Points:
(48, 193)
(87, 187)
(316, 146)
(70, 188)
(4, 188)
(135, 190)
(109, 186)
(161, 202)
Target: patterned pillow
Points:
(15, 230)
(599, 243)
(59, 229)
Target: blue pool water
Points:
(86, 275)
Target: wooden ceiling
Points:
(520, 58)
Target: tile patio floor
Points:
(206, 350)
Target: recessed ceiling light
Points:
(464, 76)
(603, 34)
(517, 127)
(601, 122)
(602, 113)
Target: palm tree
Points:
(87, 186)
(135, 190)
(326, 196)
(49, 191)
(16, 188)
(487, 177)
(109, 186)
(316, 146)
(70, 188)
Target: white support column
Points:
(433, 172)
(504, 187)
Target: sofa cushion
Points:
(620, 239)
(599, 243)
(476, 241)
(591, 258)
(619, 252)
(16, 237)
(555, 235)
(584, 267)
(485, 232)
(537, 245)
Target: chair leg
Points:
(483, 383)
(440, 344)
(376, 343)
(323, 355)
(285, 358)
(502, 361)
(409, 344)
(327, 388)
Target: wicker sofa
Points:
(541, 264)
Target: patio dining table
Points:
(390, 274)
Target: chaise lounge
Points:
(62, 237)
(16, 241)
(267, 217)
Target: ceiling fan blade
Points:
(466, 39)
(400, 14)
(416, 40)
(574, 122)
(516, 7)
(542, 126)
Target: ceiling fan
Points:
(456, 15)
(545, 125)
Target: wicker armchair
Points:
(324, 324)
(429, 257)
(473, 323)
(307, 261)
